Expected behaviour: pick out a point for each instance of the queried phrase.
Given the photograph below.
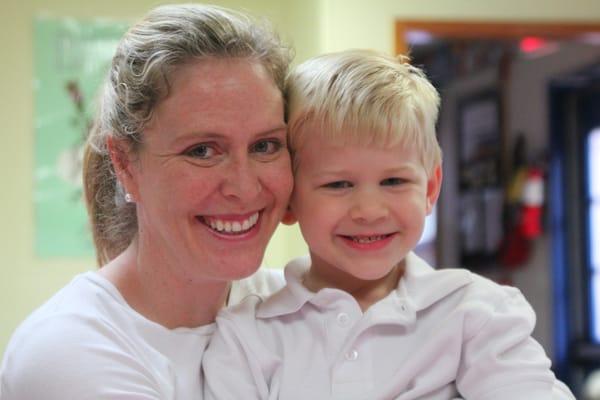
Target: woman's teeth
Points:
(224, 226)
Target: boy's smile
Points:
(368, 242)
(361, 209)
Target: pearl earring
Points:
(128, 198)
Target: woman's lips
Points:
(232, 226)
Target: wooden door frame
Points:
(490, 30)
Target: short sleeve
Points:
(500, 359)
(62, 358)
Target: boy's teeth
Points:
(232, 227)
(367, 239)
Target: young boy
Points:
(363, 317)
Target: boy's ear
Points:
(434, 185)
(289, 218)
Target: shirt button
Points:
(352, 355)
(402, 306)
(343, 319)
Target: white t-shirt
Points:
(440, 335)
(86, 342)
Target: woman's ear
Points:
(289, 218)
(122, 163)
(434, 185)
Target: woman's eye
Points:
(202, 151)
(393, 181)
(338, 185)
(268, 146)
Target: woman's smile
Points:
(232, 226)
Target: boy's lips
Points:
(368, 242)
(231, 225)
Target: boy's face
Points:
(360, 209)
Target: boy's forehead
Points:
(327, 131)
(324, 149)
(316, 135)
(315, 138)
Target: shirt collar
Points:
(292, 296)
(420, 287)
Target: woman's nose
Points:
(241, 181)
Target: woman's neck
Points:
(149, 287)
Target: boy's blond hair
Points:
(363, 97)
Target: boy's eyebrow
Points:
(407, 167)
(328, 172)
(396, 168)
(402, 168)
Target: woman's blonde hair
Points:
(146, 57)
(364, 97)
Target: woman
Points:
(186, 176)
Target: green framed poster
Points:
(71, 58)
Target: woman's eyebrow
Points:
(215, 136)
(277, 129)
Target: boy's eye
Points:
(267, 146)
(393, 181)
(201, 151)
(338, 185)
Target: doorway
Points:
(521, 82)
(575, 221)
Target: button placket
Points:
(340, 326)
(344, 325)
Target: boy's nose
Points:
(368, 208)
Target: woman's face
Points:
(212, 178)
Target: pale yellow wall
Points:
(312, 25)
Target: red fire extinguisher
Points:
(532, 199)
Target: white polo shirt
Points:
(442, 334)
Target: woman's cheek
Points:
(282, 177)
